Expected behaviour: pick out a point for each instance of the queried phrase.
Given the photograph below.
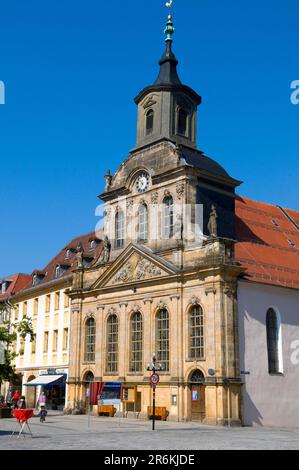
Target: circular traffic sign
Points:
(155, 379)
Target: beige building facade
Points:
(166, 281)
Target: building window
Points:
(274, 343)
(136, 342)
(65, 339)
(57, 300)
(66, 301)
(143, 223)
(90, 340)
(149, 122)
(196, 333)
(120, 229)
(48, 303)
(22, 346)
(25, 309)
(168, 217)
(33, 345)
(112, 344)
(35, 307)
(162, 339)
(55, 340)
(46, 341)
(182, 122)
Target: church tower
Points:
(154, 287)
(167, 109)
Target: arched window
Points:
(182, 122)
(149, 122)
(143, 223)
(112, 344)
(136, 342)
(90, 340)
(196, 333)
(274, 346)
(168, 217)
(162, 339)
(120, 229)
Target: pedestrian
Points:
(41, 402)
(15, 398)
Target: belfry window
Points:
(143, 223)
(162, 338)
(196, 333)
(149, 122)
(136, 342)
(167, 222)
(182, 122)
(120, 229)
(90, 340)
(274, 346)
(112, 344)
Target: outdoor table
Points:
(23, 417)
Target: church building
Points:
(162, 286)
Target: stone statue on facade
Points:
(212, 224)
(108, 180)
(106, 250)
(178, 228)
(79, 256)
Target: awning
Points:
(44, 380)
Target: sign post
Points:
(154, 379)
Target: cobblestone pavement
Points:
(72, 432)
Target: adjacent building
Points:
(45, 361)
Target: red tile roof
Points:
(268, 243)
(70, 263)
(16, 283)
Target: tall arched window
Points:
(196, 333)
(90, 340)
(112, 344)
(168, 217)
(120, 229)
(274, 346)
(143, 223)
(149, 122)
(182, 122)
(162, 339)
(136, 342)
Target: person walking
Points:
(41, 402)
(16, 397)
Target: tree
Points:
(9, 332)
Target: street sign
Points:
(155, 379)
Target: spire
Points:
(168, 64)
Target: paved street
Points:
(71, 432)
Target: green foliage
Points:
(8, 335)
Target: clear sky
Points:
(71, 70)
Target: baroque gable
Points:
(135, 265)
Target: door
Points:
(198, 403)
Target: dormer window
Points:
(37, 278)
(68, 254)
(182, 122)
(3, 287)
(92, 244)
(58, 271)
(149, 122)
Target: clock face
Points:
(142, 182)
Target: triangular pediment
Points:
(135, 264)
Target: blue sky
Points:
(71, 70)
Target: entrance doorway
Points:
(88, 377)
(198, 401)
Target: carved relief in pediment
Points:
(137, 269)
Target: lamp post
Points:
(154, 378)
